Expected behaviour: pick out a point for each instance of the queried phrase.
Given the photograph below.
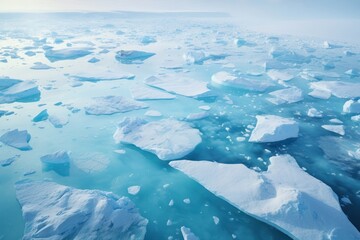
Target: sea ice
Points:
(19, 92)
(59, 157)
(132, 56)
(91, 162)
(102, 76)
(153, 113)
(58, 120)
(53, 211)
(271, 128)
(277, 75)
(169, 139)
(339, 129)
(66, 53)
(140, 92)
(288, 56)
(228, 80)
(17, 139)
(352, 106)
(113, 104)
(134, 190)
(314, 113)
(187, 234)
(287, 95)
(8, 161)
(292, 200)
(180, 85)
(40, 66)
(42, 116)
(147, 40)
(338, 89)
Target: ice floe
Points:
(132, 56)
(59, 157)
(102, 76)
(53, 211)
(337, 88)
(314, 113)
(22, 91)
(168, 138)
(352, 106)
(40, 66)
(187, 234)
(180, 85)
(92, 162)
(287, 95)
(277, 75)
(271, 128)
(112, 104)
(17, 139)
(41, 116)
(293, 201)
(140, 92)
(66, 53)
(228, 80)
(339, 129)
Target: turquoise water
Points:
(88, 134)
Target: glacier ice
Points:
(271, 128)
(53, 211)
(167, 138)
(17, 139)
(292, 200)
(112, 104)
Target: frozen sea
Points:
(93, 103)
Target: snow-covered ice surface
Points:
(201, 88)
(284, 196)
(53, 211)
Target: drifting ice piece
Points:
(53, 211)
(287, 95)
(352, 106)
(228, 80)
(104, 76)
(180, 85)
(187, 234)
(22, 91)
(271, 128)
(292, 200)
(132, 56)
(169, 139)
(17, 139)
(339, 129)
(113, 104)
(66, 54)
(60, 157)
(338, 89)
(279, 76)
(139, 92)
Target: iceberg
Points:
(338, 89)
(53, 211)
(113, 104)
(168, 138)
(293, 201)
(66, 53)
(271, 128)
(132, 56)
(287, 95)
(351, 106)
(17, 139)
(228, 80)
(140, 92)
(179, 85)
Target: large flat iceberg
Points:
(283, 196)
(271, 128)
(168, 138)
(53, 211)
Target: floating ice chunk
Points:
(194, 57)
(338, 89)
(328, 45)
(58, 120)
(321, 94)
(277, 75)
(180, 85)
(59, 157)
(94, 60)
(147, 40)
(339, 129)
(102, 76)
(314, 113)
(226, 79)
(271, 128)
(336, 121)
(30, 53)
(132, 56)
(140, 92)
(187, 234)
(42, 116)
(287, 95)
(352, 106)
(197, 116)
(287, 56)
(7, 82)
(53, 211)
(169, 139)
(295, 202)
(205, 107)
(112, 104)
(352, 73)
(216, 220)
(274, 64)
(187, 201)
(40, 66)
(153, 113)
(349, 53)
(91, 162)
(134, 190)
(17, 139)
(328, 65)
(355, 118)
(66, 53)
(8, 161)
(21, 92)
(240, 42)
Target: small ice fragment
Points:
(134, 190)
